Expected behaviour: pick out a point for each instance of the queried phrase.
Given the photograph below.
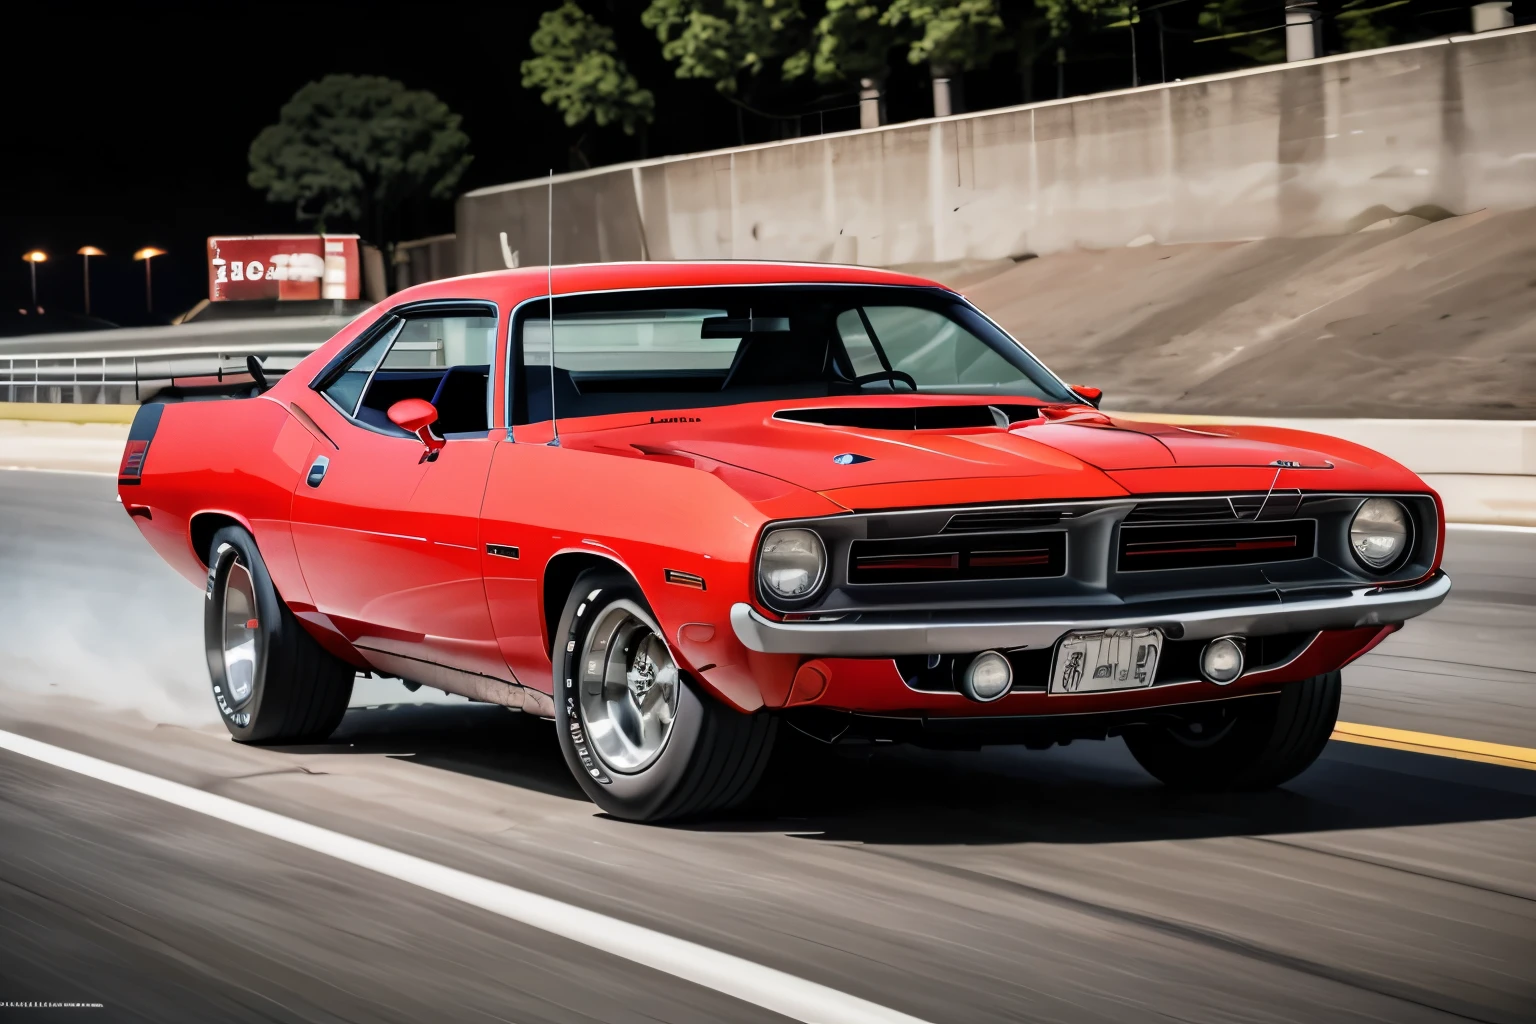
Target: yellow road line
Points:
(1441, 746)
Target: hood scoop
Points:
(914, 417)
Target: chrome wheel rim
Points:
(629, 688)
(240, 632)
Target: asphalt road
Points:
(1059, 886)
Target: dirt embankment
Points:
(1406, 317)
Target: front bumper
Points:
(883, 637)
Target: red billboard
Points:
(284, 267)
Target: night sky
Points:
(128, 128)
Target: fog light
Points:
(987, 677)
(1222, 660)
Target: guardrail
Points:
(136, 365)
(125, 380)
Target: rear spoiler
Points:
(183, 382)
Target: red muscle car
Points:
(679, 506)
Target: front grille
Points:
(1278, 504)
(1013, 519)
(1200, 510)
(991, 556)
(1144, 548)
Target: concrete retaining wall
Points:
(1316, 147)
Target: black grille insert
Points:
(1277, 504)
(1198, 510)
(1203, 545)
(1011, 519)
(990, 556)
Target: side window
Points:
(439, 341)
(347, 389)
(443, 358)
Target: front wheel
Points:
(645, 742)
(1248, 744)
(272, 682)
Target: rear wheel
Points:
(644, 740)
(1248, 744)
(271, 681)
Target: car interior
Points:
(420, 357)
(693, 348)
(799, 349)
(458, 393)
(765, 367)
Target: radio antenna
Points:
(554, 421)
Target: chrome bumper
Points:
(884, 637)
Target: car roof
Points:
(513, 286)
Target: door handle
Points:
(317, 471)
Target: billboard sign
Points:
(284, 267)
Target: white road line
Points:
(50, 469)
(742, 979)
(1491, 527)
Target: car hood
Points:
(1062, 453)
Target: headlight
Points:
(792, 564)
(1379, 532)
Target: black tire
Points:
(1249, 744)
(296, 691)
(713, 756)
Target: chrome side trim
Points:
(1364, 606)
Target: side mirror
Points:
(417, 415)
(1093, 396)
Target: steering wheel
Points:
(891, 375)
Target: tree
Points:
(721, 41)
(1360, 29)
(1030, 38)
(1263, 45)
(355, 148)
(849, 42)
(950, 33)
(577, 69)
(951, 36)
(1065, 16)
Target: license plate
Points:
(1106, 659)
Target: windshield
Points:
(685, 348)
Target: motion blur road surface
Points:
(1382, 885)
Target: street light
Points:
(146, 254)
(33, 258)
(87, 251)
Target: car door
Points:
(388, 539)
